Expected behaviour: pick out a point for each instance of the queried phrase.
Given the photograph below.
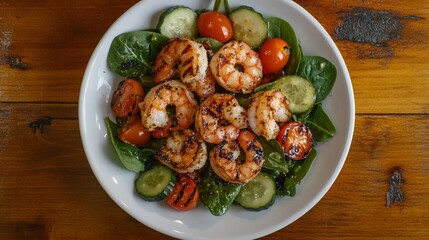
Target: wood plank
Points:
(45, 47)
(48, 190)
(45, 60)
(383, 61)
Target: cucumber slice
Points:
(178, 21)
(299, 92)
(156, 183)
(249, 26)
(258, 194)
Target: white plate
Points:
(99, 83)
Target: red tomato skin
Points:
(160, 133)
(126, 98)
(296, 140)
(215, 25)
(133, 132)
(274, 54)
(185, 194)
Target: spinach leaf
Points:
(133, 158)
(281, 29)
(300, 173)
(132, 54)
(120, 121)
(243, 99)
(266, 86)
(321, 126)
(210, 44)
(320, 72)
(156, 143)
(147, 82)
(274, 156)
(217, 194)
(295, 177)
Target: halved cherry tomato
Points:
(274, 54)
(126, 98)
(134, 132)
(215, 25)
(296, 140)
(185, 194)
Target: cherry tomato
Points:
(133, 132)
(296, 140)
(215, 25)
(126, 98)
(274, 54)
(185, 194)
(161, 132)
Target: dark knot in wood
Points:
(395, 193)
(40, 124)
(14, 62)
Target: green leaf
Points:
(216, 194)
(156, 143)
(320, 125)
(210, 44)
(243, 99)
(265, 87)
(299, 172)
(274, 156)
(306, 166)
(320, 72)
(279, 28)
(132, 54)
(147, 82)
(132, 157)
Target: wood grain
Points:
(48, 191)
(383, 77)
(55, 42)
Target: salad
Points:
(217, 107)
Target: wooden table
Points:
(48, 191)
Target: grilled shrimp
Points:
(266, 110)
(173, 94)
(220, 117)
(184, 151)
(237, 67)
(206, 86)
(223, 158)
(186, 58)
